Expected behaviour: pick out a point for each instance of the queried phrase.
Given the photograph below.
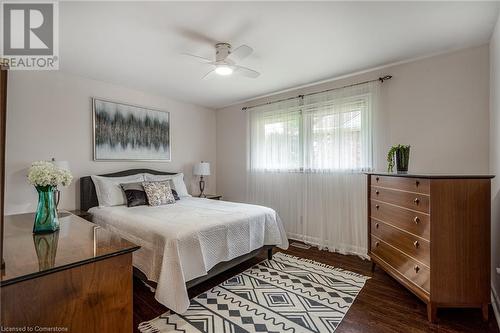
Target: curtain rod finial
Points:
(385, 78)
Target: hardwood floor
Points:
(382, 306)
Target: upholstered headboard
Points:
(88, 196)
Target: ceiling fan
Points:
(226, 59)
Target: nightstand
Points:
(82, 213)
(213, 196)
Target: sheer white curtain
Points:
(306, 158)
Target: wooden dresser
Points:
(432, 234)
(77, 279)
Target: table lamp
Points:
(202, 169)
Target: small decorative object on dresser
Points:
(202, 169)
(432, 234)
(401, 155)
(46, 176)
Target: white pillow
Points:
(108, 189)
(177, 182)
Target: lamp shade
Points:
(201, 169)
(61, 165)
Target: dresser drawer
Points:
(415, 201)
(418, 185)
(408, 220)
(412, 270)
(413, 246)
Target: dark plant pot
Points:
(402, 160)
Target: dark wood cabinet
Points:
(3, 126)
(432, 234)
(78, 278)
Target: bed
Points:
(186, 243)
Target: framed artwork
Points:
(124, 132)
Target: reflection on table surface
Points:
(26, 254)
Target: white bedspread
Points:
(182, 241)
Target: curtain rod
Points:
(381, 79)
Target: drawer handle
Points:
(377, 192)
(377, 244)
(416, 219)
(416, 201)
(377, 206)
(376, 225)
(416, 244)
(417, 183)
(377, 179)
(416, 268)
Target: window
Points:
(322, 132)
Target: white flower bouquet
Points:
(44, 173)
(46, 176)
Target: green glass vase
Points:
(46, 213)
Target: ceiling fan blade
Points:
(240, 53)
(246, 72)
(199, 58)
(195, 35)
(208, 75)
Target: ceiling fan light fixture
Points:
(223, 70)
(226, 61)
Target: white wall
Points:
(495, 154)
(49, 115)
(438, 105)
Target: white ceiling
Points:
(139, 45)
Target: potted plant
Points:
(45, 176)
(399, 155)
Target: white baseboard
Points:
(495, 302)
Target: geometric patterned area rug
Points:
(286, 294)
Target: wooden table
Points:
(77, 279)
